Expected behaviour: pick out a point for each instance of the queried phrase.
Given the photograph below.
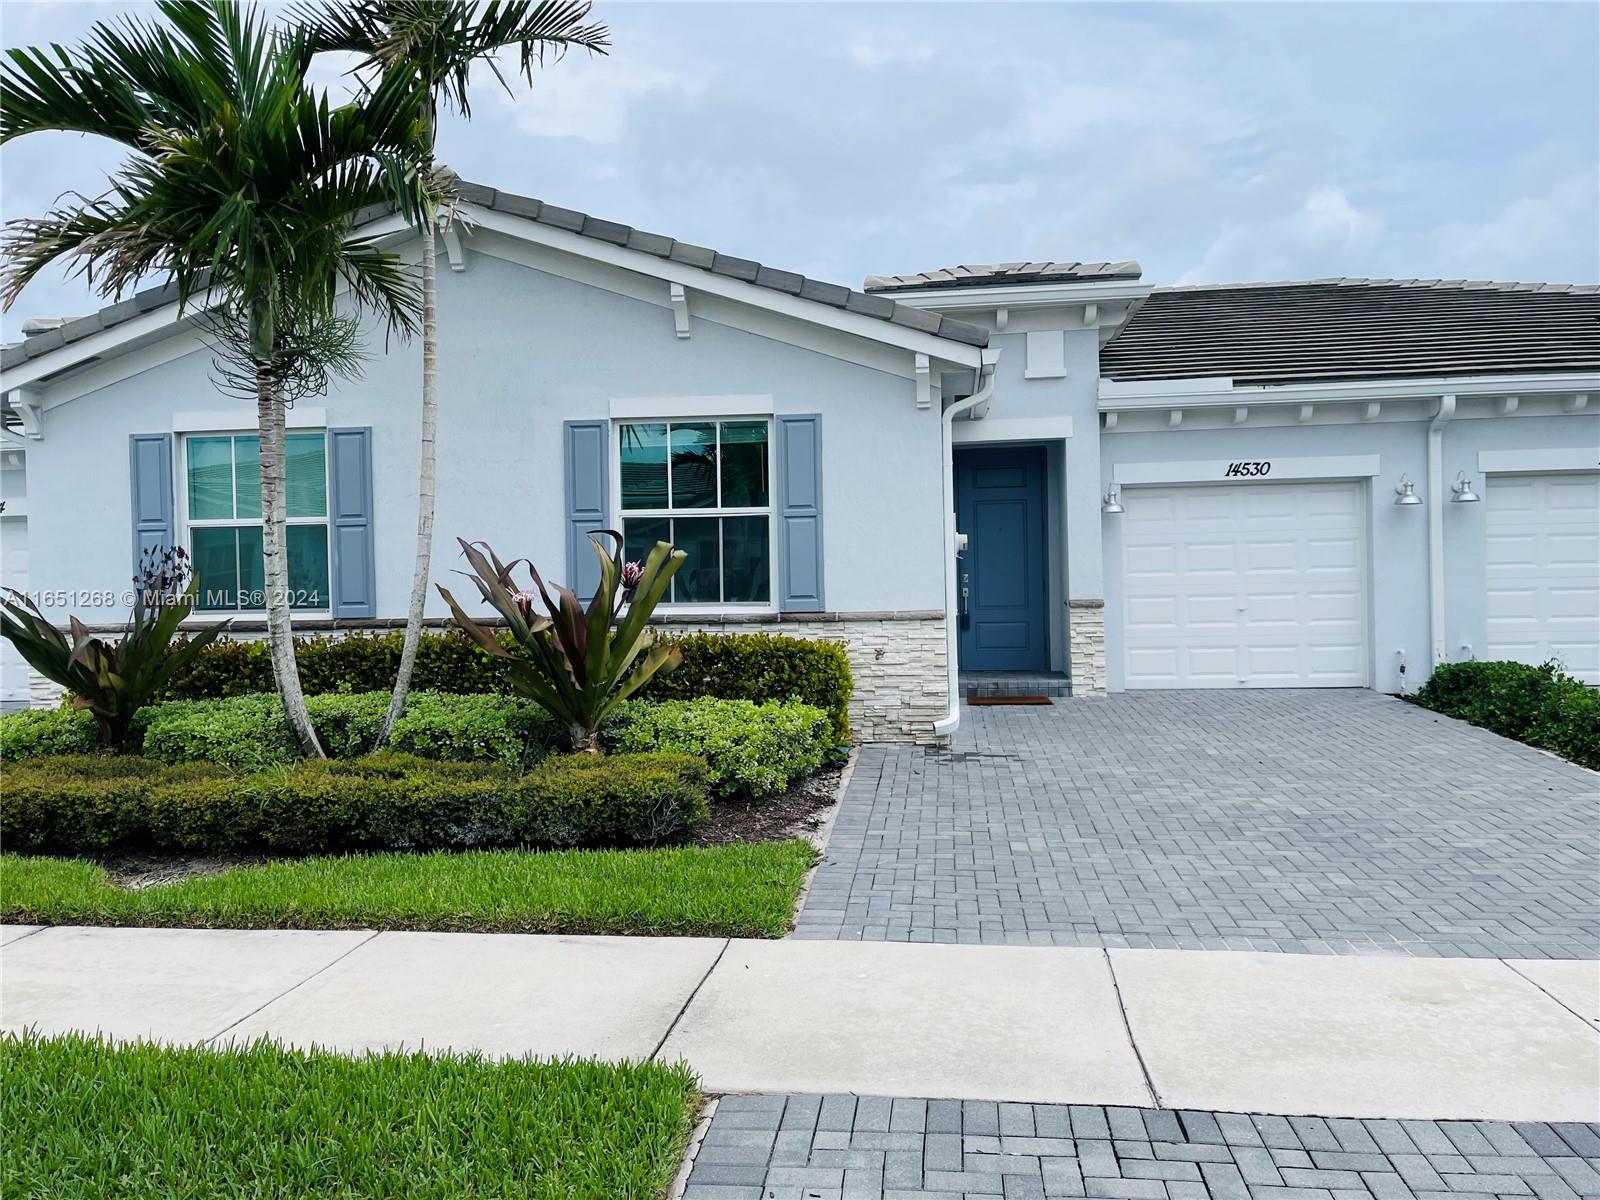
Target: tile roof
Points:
(831, 294)
(1343, 329)
(1003, 274)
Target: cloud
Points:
(591, 98)
(1554, 230)
(1315, 237)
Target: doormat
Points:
(1008, 700)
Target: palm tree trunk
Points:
(425, 479)
(280, 634)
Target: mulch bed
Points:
(800, 812)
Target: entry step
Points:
(1014, 683)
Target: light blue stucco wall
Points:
(521, 351)
(1397, 537)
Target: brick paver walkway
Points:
(874, 1148)
(1342, 822)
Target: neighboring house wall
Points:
(522, 351)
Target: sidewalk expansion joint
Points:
(726, 942)
(333, 962)
(1587, 1023)
(29, 934)
(1133, 1043)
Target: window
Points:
(223, 498)
(704, 486)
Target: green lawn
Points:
(746, 890)
(83, 1118)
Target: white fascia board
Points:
(1134, 395)
(98, 345)
(1536, 462)
(1035, 296)
(872, 328)
(1222, 470)
(1012, 429)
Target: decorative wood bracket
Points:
(1001, 317)
(1174, 418)
(1306, 412)
(1576, 403)
(29, 407)
(450, 233)
(1241, 414)
(680, 309)
(1506, 406)
(924, 382)
(1370, 411)
(1111, 420)
(1091, 315)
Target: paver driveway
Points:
(1343, 822)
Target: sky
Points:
(1210, 142)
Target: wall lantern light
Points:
(1406, 494)
(1462, 488)
(1111, 506)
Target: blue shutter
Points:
(588, 452)
(352, 564)
(150, 473)
(800, 513)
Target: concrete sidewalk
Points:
(1329, 1036)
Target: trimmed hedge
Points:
(744, 666)
(248, 732)
(388, 801)
(755, 749)
(751, 749)
(1537, 705)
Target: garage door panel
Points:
(1274, 557)
(1213, 612)
(1291, 606)
(1542, 563)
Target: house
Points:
(1046, 475)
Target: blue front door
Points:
(1000, 507)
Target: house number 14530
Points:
(1237, 469)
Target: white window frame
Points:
(769, 511)
(184, 524)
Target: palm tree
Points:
(434, 45)
(240, 189)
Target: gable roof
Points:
(611, 232)
(1344, 329)
(1000, 274)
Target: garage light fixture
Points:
(1406, 494)
(1462, 488)
(1111, 506)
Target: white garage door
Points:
(1543, 560)
(13, 574)
(1259, 585)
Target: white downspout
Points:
(1447, 409)
(982, 396)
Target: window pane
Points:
(252, 568)
(306, 487)
(216, 562)
(247, 475)
(694, 466)
(698, 580)
(644, 466)
(640, 535)
(747, 568)
(308, 566)
(210, 478)
(744, 464)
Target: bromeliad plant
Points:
(115, 680)
(577, 664)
